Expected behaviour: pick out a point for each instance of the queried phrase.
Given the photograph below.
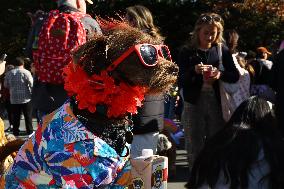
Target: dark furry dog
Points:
(105, 85)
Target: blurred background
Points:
(259, 22)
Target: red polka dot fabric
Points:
(60, 33)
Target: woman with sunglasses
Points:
(141, 17)
(198, 80)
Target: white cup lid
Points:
(147, 152)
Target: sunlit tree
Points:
(259, 22)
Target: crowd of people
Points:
(231, 101)
(233, 136)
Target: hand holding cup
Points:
(207, 71)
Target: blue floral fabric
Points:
(64, 154)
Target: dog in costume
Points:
(84, 143)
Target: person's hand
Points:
(2, 67)
(215, 75)
(177, 101)
(199, 68)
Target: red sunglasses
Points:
(147, 53)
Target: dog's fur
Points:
(100, 52)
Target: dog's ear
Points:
(10, 147)
(92, 56)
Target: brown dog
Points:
(106, 82)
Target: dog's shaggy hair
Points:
(97, 54)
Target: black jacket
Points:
(191, 82)
(278, 86)
(150, 116)
(263, 74)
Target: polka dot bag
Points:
(60, 33)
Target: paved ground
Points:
(182, 171)
(181, 163)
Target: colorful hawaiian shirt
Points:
(64, 154)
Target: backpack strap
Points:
(220, 55)
(260, 67)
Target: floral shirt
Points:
(64, 154)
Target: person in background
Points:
(247, 153)
(250, 56)
(7, 162)
(198, 80)
(5, 98)
(2, 69)
(48, 92)
(263, 75)
(150, 117)
(277, 85)
(19, 81)
(6, 138)
(141, 18)
(149, 121)
(243, 92)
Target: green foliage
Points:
(256, 28)
(175, 19)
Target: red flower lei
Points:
(101, 89)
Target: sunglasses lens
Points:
(149, 54)
(166, 53)
(217, 19)
(207, 18)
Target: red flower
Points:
(101, 89)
